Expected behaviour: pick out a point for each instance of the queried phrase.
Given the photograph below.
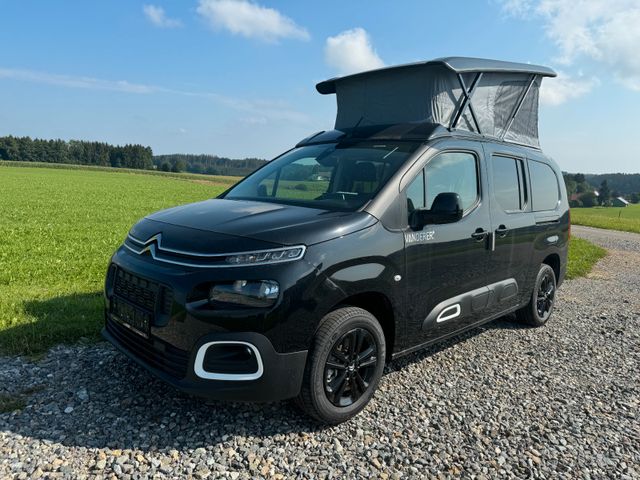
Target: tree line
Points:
(581, 189)
(207, 164)
(623, 183)
(78, 152)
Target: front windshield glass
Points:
(327, 176)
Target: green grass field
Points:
(582, 256)
(58, 228)
(613, 218)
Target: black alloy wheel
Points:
(350, 366)
(344, 365)
(540, 307)
(546, 295)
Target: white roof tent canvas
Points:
(489, 97)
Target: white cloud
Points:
(555, 91)
(604, 32)
(76, 81)
(259, 109)
(516, 7)
(266, 109)
(157, 16)
(351, 51)
(246, 18)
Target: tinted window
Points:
(544, 186)
(508, 183)
(452, 172)
(415, 193)
(328, 176)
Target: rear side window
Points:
(544, 186)
(508, 183)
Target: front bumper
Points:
(281, 377)
(176, 327)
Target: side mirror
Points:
(446, 208)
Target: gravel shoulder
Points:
(561, 401)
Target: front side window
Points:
(508, 183)
(327, 176)
(544, 186)
(452, 172)
(455, 172)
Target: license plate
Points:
(131, 316)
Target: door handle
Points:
(502, 231)
(479, 235)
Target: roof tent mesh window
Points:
(524, 128)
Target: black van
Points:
(429, 210)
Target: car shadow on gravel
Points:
(503, 323)
(61, 319)
(94, 397)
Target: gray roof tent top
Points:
(487, 97)
(455, 64)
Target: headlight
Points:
(277, 255)
(246, 293)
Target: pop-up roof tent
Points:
(489, 97)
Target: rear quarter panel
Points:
(552, 226)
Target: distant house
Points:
(576, 196)
(619, 202)
(318, 178)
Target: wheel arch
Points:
(553, 260)
(378, 305)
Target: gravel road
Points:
(505, 401)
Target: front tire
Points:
(344, 367)
(540, 307)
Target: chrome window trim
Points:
(156, 248)
(198, 364)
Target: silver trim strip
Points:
(443, 318)
(154, 250)
(199, 370)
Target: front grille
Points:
(135, 289)
(166, 301)
(155, 352)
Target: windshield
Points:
(327, 176)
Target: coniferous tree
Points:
(605, 193)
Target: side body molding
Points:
(471, 303)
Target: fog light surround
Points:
(199, 367)
(245, 293)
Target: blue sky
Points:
(236, 78)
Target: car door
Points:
(512, 226)
(446, 263)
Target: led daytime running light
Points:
(269, 256)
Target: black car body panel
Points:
(349, 255)
(267, 222)
(338, 229)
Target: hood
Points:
(266, 222)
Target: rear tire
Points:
(344, 367)
(539, 309)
